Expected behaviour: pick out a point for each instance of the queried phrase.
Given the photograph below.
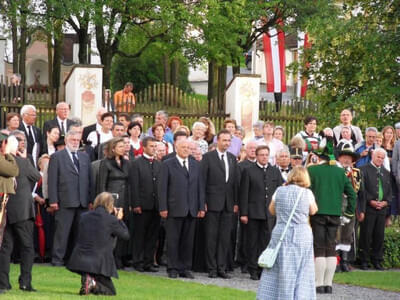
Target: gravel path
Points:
(242, 282)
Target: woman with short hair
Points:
(293, 275)
(92, 256)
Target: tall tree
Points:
(354, 61)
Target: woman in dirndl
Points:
(293, 275)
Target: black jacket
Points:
(370, 177)
(86, 131)
(51, 123)
(179, 193)
(220, 195)
(113, 178)
(256, 190)
(144, 177)
(38, 138)
(93, 252)
(20, 205)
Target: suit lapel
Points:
(179, 167)
(218, 161)
(71, 165)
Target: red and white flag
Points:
(303, 43)
(274, 53)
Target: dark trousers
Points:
(21, 232)
(372, 235)
(66, 224)
(145, 235)
(258, 236)
(218, 228)
(241, 257)
(232, 242)
(324, 229)
(180, 238)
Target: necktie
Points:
(185, 168)
(380, 187)
(223, 164)
(30, 134)
(75, 159)
(62, 128)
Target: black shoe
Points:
(173, 274)
(27, 288)
(212, 274)
(378, 266)
(151, 269)
(139, 268)
(186, 274)
(57, 264)
(320, 290)
(364, 266)
(224, 275)
(328, 289)
(254, 276)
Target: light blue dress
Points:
(293, 274)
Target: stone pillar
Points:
(84, 91)
(242, 101)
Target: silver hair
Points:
(71, 133)
(259, 124)
(381, 150)
(164, 113)
(371, 129)
(61, 103)
(26, 108)
(283, 150)
(18, 132)
(199, 124)
(76, 122)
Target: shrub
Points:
(391, 257)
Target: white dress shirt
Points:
(226, 163)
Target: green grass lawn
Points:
(58, 283)
(387, 280)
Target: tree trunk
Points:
(236, 66)
(56, 76)
(14, 34)
(175, 72)
(83, 38)
(212, 94)
(221, 87)
(23, 45)
(166, 69)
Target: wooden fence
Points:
(191, 107)
(290, 116)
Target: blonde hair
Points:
(299, 176)
(105, 200)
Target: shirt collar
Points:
(147, 156)
(261, 166)
(180, 159)
(220, 153)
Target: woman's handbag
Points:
(269, 255)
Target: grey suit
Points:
(69, 187)
(20, 214)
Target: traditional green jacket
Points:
(8, 170)
(329, 183)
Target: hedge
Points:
(391, 257)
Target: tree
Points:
(354, 62)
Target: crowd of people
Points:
(194, 199)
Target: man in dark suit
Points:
(220, 173)
(94, 127)
(20, 215)
(69, 182)
(242, 257)
(61, 120)
(258, 184)
(181, 200)
(376, 196)
(32, 133)
(178, 136)
(144, 176)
